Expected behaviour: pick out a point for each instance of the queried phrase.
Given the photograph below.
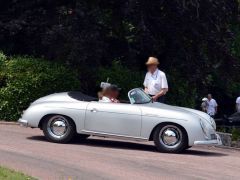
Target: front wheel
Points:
(59, 129)
(170, 138)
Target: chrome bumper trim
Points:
(217, 141)
(23, 122)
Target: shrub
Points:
(235, 134)
(24, 79)
(181, 92)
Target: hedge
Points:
(24, 79)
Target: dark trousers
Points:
(160, 99)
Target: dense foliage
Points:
(24, 79)
(197, 41)
(121, 76)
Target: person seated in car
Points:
(110, 94)
(115, 90)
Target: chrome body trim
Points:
(217, 141)
(23, 122)
(102, 134)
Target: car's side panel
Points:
(113, 118)
(150, 119)
(149, 122)
(74, 110)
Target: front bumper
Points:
(23, 122)
(216, 141)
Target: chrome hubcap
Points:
(170, 136)
(57, 126)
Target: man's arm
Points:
(161, 93)
(146, 90)
(145, 84)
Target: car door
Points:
(113, 118)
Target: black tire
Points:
(188, 147)
(50, 125)
(82, 136)
(177, 144)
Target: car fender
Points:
(76, 111)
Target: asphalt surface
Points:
(26, 150)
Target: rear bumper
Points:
(216, 141)
(23, 122)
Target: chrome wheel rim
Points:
(170, 136)
(57, 126)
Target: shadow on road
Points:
(114, 144)
(195, 152)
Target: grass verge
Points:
(8, 174)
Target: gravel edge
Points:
(8, 123)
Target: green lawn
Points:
(8, 174)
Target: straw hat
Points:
(152, 61)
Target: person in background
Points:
(212, 106)
(204, 105)
(238, 104)
(155, 82)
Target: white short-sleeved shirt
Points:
(155, 82)
(212, 104)
(238, 104)
(105, 99)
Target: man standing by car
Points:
(155, 82)
(238, 104)
(212, 106)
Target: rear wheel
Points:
(59, 129)
(170, 138)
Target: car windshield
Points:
(138, 96)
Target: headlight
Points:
(204, 128)
(213, 123)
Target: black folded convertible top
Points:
(81, 97)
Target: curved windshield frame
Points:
(138, 96)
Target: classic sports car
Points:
(173, 129)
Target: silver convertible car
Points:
(173, 129)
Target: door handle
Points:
(93, 110)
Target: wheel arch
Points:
(167, 123)
(40, 124)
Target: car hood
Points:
(175, 112)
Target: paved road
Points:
(26, 150)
